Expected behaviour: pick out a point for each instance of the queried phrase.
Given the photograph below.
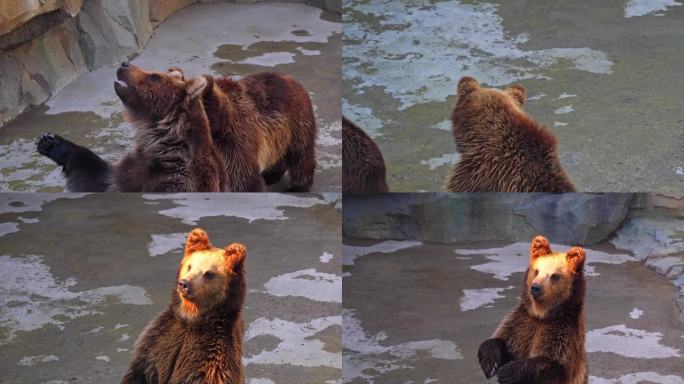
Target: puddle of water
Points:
(476, 298)
(165, 243)
(307, 283)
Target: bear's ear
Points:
(198, 240)
(540, 247)
(575, 258)
(235, 256)
(197, 86)
(467, 85)
(176, 72)
(517, 92)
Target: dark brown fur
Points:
(363, 168)
(502, 148)
(542, 341)
(263, 123)
(204, 349)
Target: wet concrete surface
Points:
(83, 275)
(216, 39)
(417, 313)
(604, 78)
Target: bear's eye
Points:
(189, 267)
(555, 277)
(536, 272)
(209, 275)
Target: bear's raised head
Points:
(209, 277)
(152, 96)
(553, 278)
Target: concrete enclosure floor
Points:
(603, 76)
(83, 275)
(417, 312)
(216, 39)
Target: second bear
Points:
(502, 148)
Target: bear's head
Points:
(209, 277)
(471, 95)
(152, 96)
(553, 278)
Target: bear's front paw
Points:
(54, 147)
(511, 373)
(491, 356)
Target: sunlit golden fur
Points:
(198, 339)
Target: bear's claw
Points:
(53, 146)
(491, 356)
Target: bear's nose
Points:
(125, 64)
(184, 286)
(536, 290)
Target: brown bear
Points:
(542, 339)
(198, 339)
(263, 125)
(363, 168)
(173, 151)
(502, 148)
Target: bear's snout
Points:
(184, 287)
(536, 290)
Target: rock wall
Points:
(46, 44)
(581, 219)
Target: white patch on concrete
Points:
(364, 353)
(270, 59)
(94, 330)
(119, 350)
(629, 342)
(325, 134)
(31, 297)
(309, 283)
(536, 97)
(191, 207)
(31, 202)
(445, 125)
(636, 313)
(260, 381)
(102, 358)
(326, 257)
(414, 67)
(638, 378)
(446, 159)
(679, 170)
(10, 227)
(513, 258)
(476, 298)
(565, 95)
(28, 220)
(119, 326)
(648, 7)
(309, 52)
(362, 117)
(124, 337)
(559, 124)
(165, 243)
(298, 344)
(351, 252)
(33, 360)
(563, 110)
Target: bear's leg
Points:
(301, 163)
(539, 370)
(84, 170)
(492, 355)
(273, 174)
